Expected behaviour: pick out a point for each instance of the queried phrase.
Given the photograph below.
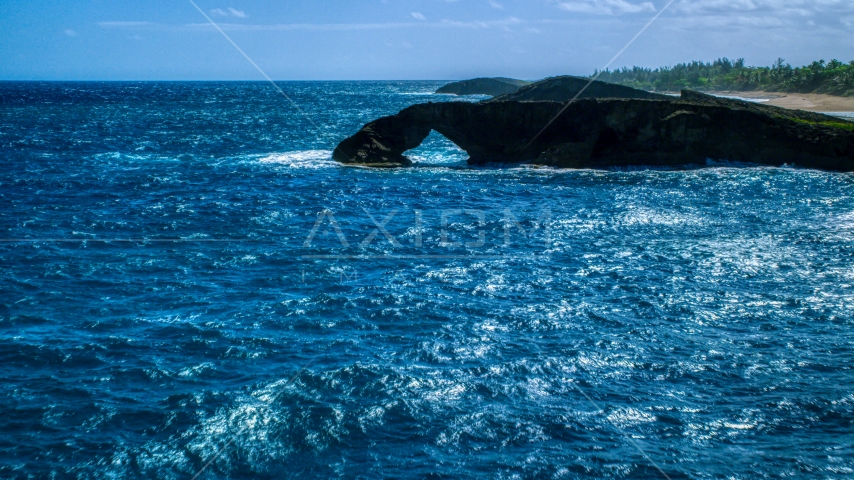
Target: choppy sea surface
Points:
(189, 284)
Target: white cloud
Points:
(510, 21)
(724, 22)
(418, 16)
(495, 4)
(482, 24)
(70, 33)
(762, 13)
(605, 7)
(123, 24)
(229, 12)
(785, 7)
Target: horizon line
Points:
(275, 80)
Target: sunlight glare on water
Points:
(707, 311)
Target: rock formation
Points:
(483, 86)
(605, 132)
(559, 89)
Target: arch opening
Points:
(436, 149)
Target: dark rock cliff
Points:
(605, 132)
(483, 86)
(560, 89)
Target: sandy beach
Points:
(813, 102)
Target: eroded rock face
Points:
(599, 133)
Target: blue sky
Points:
(403, 39)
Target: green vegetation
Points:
(843, 125)
(834, 77)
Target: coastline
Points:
(811, 102)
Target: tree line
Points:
(834, 77)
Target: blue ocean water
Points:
(189, 284)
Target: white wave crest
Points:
(745, 99)
(302, 159)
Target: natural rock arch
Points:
(597, 133)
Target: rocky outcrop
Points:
(606, 132)
(560, 89)
(483, 86)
